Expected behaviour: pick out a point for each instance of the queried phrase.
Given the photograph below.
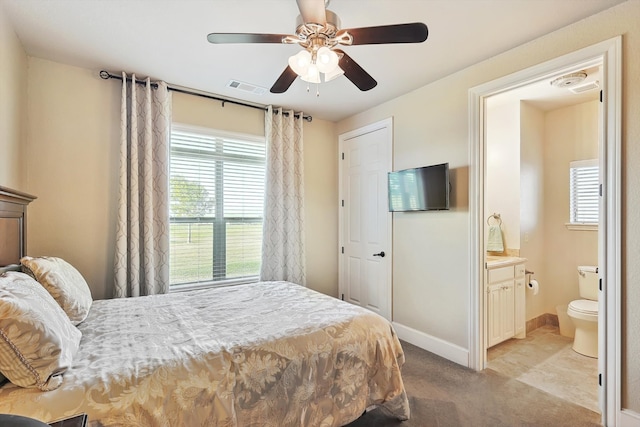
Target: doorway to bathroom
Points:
(534, 134)
(526, 178)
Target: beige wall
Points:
(321, 205)
(431, 261)
(532, 203)
(502, 178)
(13, 107)
(571, 133)
(514, 185)
(73, 135)
(72, 167)
(205, 112)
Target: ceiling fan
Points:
(318, 32)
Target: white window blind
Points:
(584, 191)
(216, 200)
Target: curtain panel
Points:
(142, 231)
(283, 251)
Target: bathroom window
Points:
(584, 194)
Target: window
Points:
(584, 192)
(216, 199)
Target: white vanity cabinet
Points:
(505, 308)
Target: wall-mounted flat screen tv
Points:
(419, 189)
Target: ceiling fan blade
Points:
(355, 73)
(312, 11)
(220, 38)
(415, 32)
(284, 81)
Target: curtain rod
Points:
(107, 75)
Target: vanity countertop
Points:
(503, 261)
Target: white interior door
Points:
(365, 220)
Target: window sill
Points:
(581, 227)
(207, 285)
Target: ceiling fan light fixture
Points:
(312, 75)
(318, 32)
(326, 60)
(300, 62)
(336, 72)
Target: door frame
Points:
(387, 125)
(609, 53)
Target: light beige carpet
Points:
(443, 393)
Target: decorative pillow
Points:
(37, 339)
(65, 284)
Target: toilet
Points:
(584, 312)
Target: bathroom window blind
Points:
(216, 207)
(584, 191)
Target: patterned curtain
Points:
(142, 233)
(283, 229)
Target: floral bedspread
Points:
(270, 354)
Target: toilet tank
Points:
(588, 282)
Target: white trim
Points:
(183, 287)
(432, 344)
(590, 163)
(610, 238)
(183, 127)
(581, 227)
(629, 418)
(607, 53)
(477, 160)
(387, 125)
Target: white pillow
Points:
(37, 339)
(65, 284)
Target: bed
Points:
(262, 354)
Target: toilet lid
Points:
(584, 306)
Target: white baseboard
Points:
(629, 418)
(432, 344)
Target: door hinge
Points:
(600, 380)
(343, 153)
(600, 96)
(600, 190)
(600, 284)
(342, 203)
(342, 297)
(342, 249)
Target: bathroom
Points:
(533, 134)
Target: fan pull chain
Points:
(317, 89)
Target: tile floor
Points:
(545, 360)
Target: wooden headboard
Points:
(13, 227)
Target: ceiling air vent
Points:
(585, 87)
(246, 87)
(569, 79)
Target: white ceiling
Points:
(546, 97)
(166, 39)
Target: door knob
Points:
(381, 254)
